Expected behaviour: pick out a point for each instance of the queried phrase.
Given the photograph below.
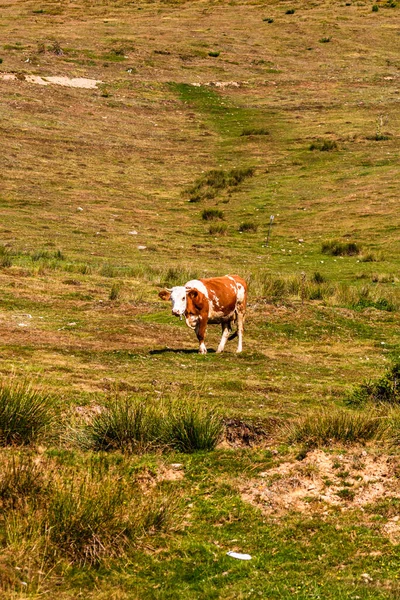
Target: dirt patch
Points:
(76, 82)
(240, 433)
(349, 480)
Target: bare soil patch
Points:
(353, 479)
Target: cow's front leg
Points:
(201, 328)
(226, 329)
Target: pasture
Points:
(177, 130)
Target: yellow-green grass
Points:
(83, 169)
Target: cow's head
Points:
(177, 295)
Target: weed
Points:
(210, 214)
(218, 229)
(268, 20)
(324, 145)
(214, 54)
(20, 479)
(56, 49)
(324, 40)
(331, 426)
(379, 137)
(386, 389)
(375, 8)
(337, 248)
(25, 413)
(290, 11)
(346, 494)
(248, 227)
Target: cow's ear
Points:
(165, 294)
(193, 294)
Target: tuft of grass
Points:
(324, 145)
(254, 131)
(194, 428)
(324, 40)
(375, 8)
(214, 54)
(248, 227)
(218, 229)
(337, 248)
(20, 480)
(268, 20)
(379, 137)
(115, 291)
(385, 390)
(335, 426)
(318, 278)
(210, 214)
(215, 181)
(25, 413)
(290, 11)
(46, 255)
(5, 257)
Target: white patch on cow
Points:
(178, 299)
(197, 285)
(240, 293)
(202, 349)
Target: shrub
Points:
(337, 248)
(324, 145)
(209, 214)
(219, 229)
(291, 11)
(334, 426)
(25, 413)
(248, 227)
(214, 54)
(386, 389)
(379, 137)
(268, 20)
(375, 8)
(318, 278)
(324, 40)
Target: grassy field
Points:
(207, 118)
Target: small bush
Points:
(324, 145)
(248, 227)
(25, 413)
(268, 20)
(255, 131)
(375, 8)
(210, 214)
(334, 426)
(324, 40)
(337, 248)
(379, 137)
(219, 229)
(386, 389)
(214, 54)
(291, 11)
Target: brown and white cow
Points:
(216, 300)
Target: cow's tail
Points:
(233, 335)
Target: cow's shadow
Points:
(179, 351)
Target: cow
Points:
(215, 300)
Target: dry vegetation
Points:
(144, 144)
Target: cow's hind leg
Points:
(226, 329)
(240, 327)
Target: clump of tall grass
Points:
(20, 479)
(384, 390)
(324, 145)
(115, 291)
(46, 255)
(215, 181)
(337, 248)
(25, 413)
(248, 227)
(335, 426)
(192, 428)
(135, 425)
(5, 257)
(218, 229)
(211, 214)
(254, 131)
